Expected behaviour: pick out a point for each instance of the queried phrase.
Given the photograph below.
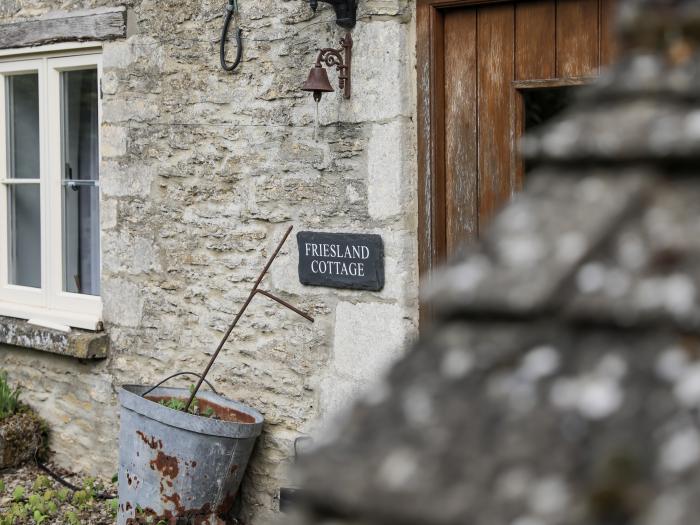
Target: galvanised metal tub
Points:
(178, 467)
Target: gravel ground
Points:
(29, 488)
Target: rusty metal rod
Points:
(285, 303)
(252, 294)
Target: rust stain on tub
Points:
(175, 500)
(220, 412)
(166, 465)
(151, 442)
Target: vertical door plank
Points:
(461, 166)
(535, 58)
(535, 40)
(431, 158)
(577, 38)
(426, 157)
(608, 47)
(495, 56)
(437, 110)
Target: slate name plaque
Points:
(341, 260)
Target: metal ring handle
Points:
(176, 375)
(230, 11)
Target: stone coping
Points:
(81, 344)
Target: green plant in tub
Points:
(179, 405)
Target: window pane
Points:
(24, 215)
(24, 220)
(81, 220)
(22, 126)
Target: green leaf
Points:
(113, 505)
(62, 494)
(9, 398)
(19, 510)
(80, 498)
(18, 493)
(41, 482)
(35, 502)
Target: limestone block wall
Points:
(202, 172)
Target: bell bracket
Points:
(341, 59)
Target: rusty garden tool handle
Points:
(286, 304)
(253, 292)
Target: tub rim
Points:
(130, 399)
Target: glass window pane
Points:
(24, 214)
(22, 110)
(24, 221)
(81, 220)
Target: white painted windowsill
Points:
(71, 319)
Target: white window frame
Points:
(50, 303)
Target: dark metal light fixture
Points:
(318, 82)
(345, 11)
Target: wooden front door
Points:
(477, 62)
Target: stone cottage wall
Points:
(202, 171)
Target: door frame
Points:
(431, 131)
(431, 128)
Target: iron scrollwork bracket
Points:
(341, 59)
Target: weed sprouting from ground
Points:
(39, 500)
(9, 398)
